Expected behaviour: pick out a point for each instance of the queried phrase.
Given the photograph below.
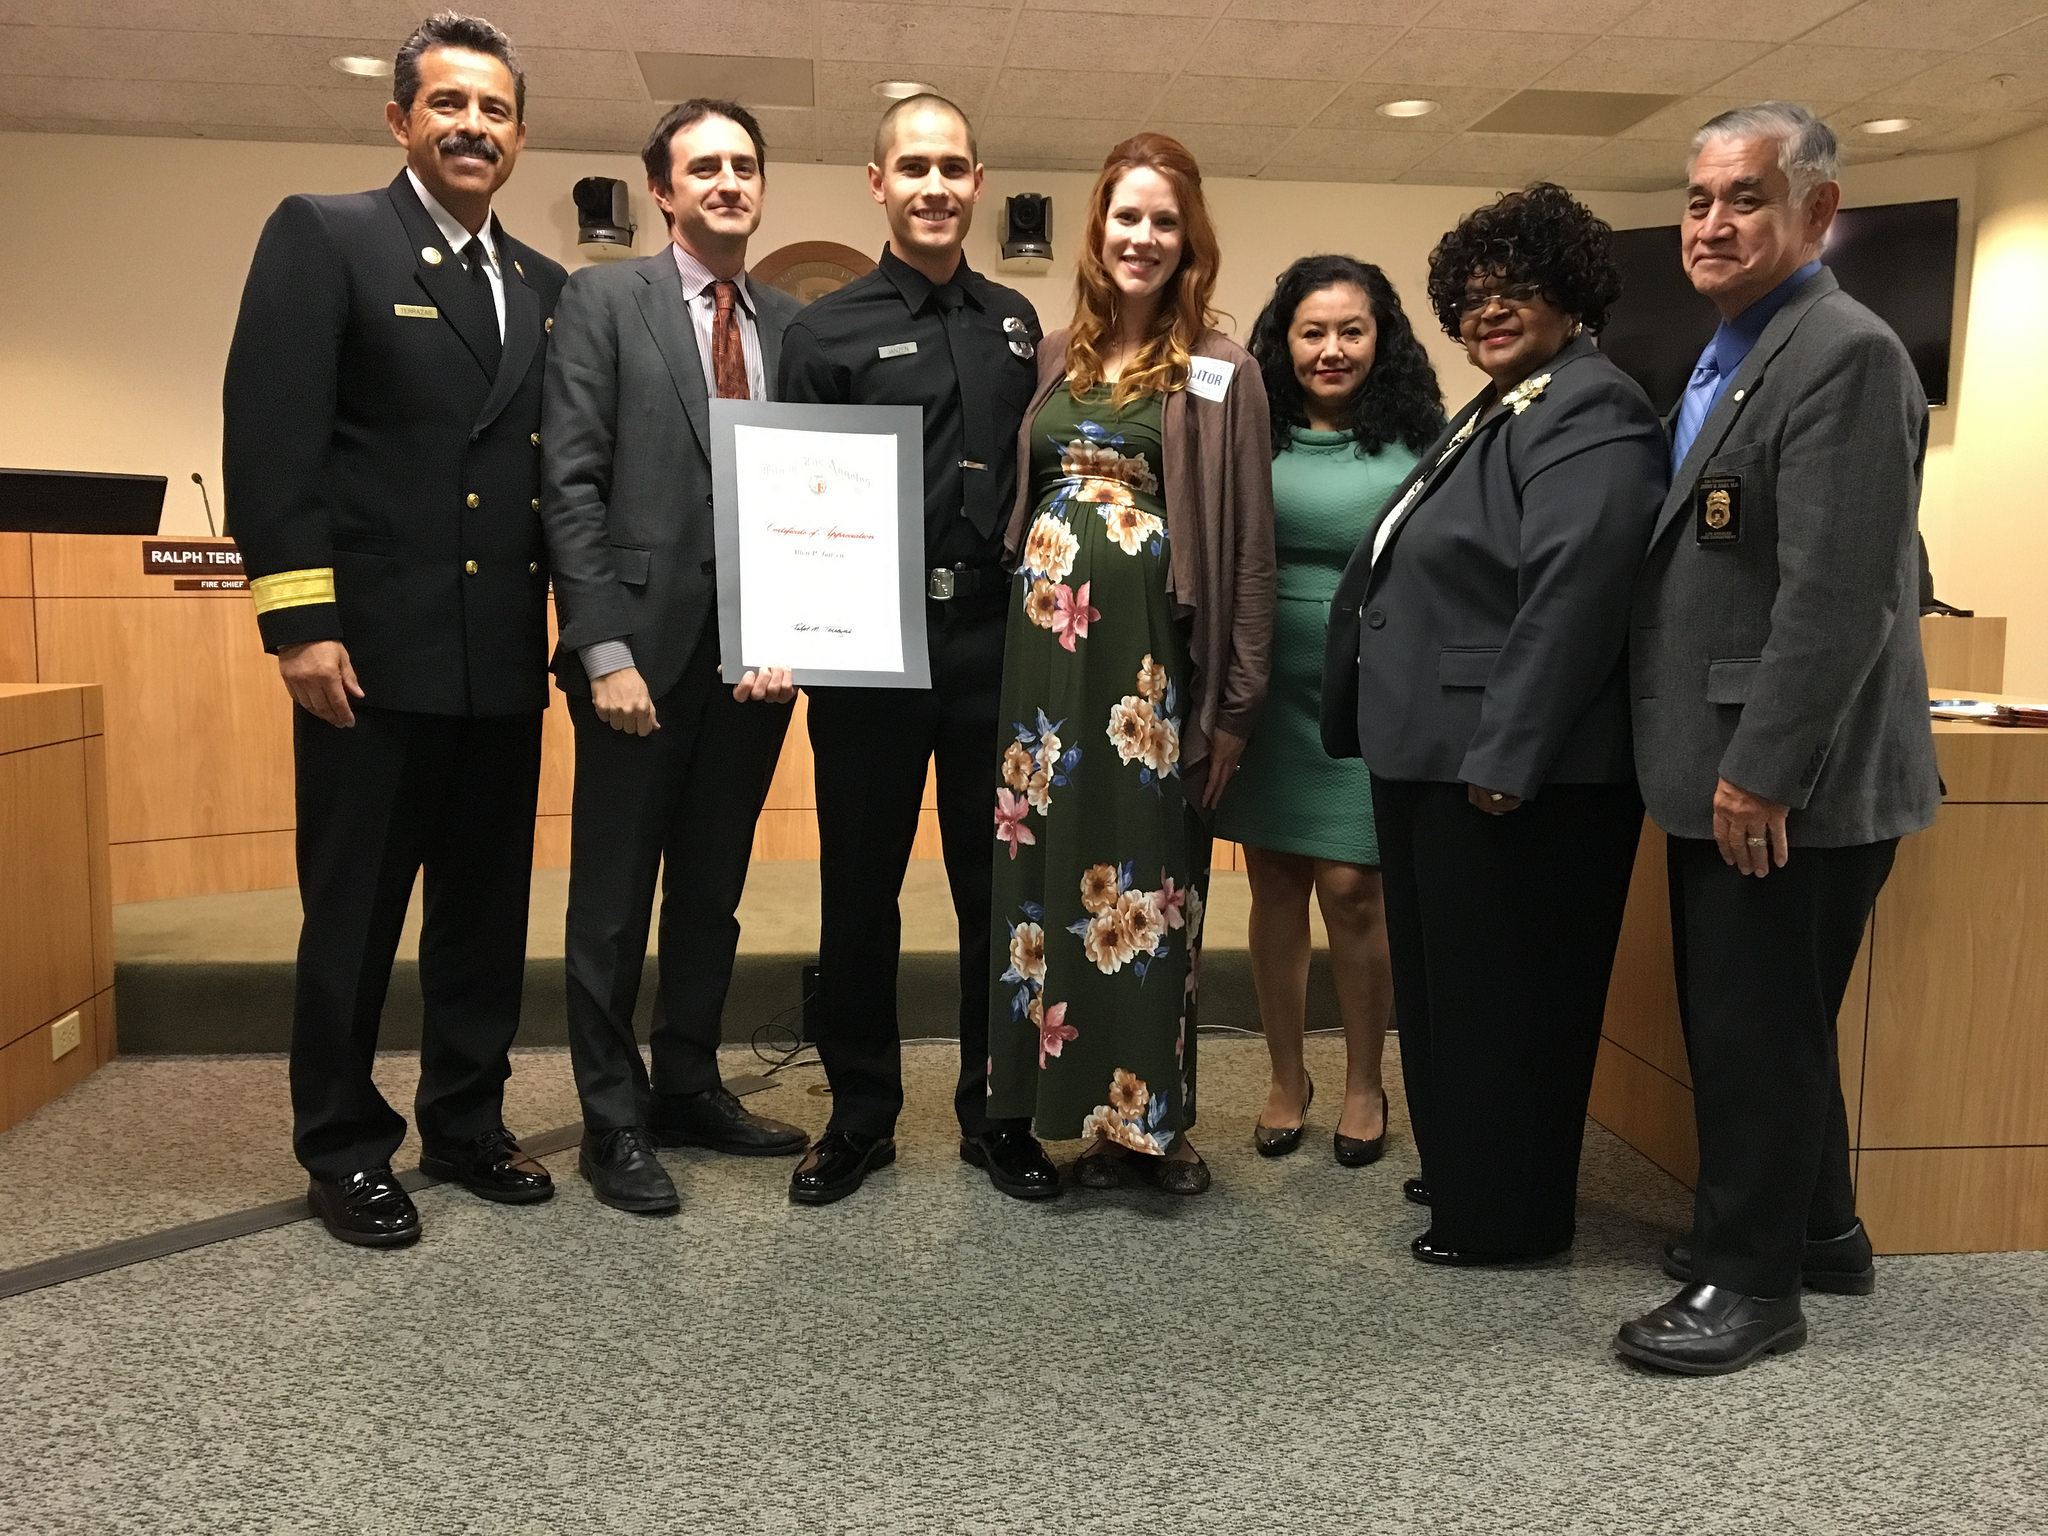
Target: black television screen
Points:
(1899, 258)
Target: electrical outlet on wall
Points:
(64, 1036)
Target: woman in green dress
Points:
(1354, 401)
(1133, 672)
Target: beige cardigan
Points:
(1218, 484)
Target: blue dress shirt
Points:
(1733, 341)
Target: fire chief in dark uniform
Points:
(922, 329)
(382, 455)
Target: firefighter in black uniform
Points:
(382, 457)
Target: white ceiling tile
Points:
(1225, 149)
(305, 62)
(156, 101)
(1660, 164)
(779, 29)
(1501, 159)
(847, 86)
(584, 73)
(791, 132)
(618, 124)
(1661, 65)
(1228, 99)
(1360, 155)
(293, 133)
(92, 53)
(1949, 24)
(1509, 60)
(1064, 93)
(358, 112)
(164, 15)
(911, 34)
(1026, 143)
(1677, 123)
(1350, 13)
(1976, 82)
(1052, 40)
(1480, 19)
(1458, 106)
(139, 130)
(1289, 50)
(1761, 21)
(1976, 129)
(1800, 70)
(2028, 39)
(1129, 9)
(543, 23)
(316, 18)
(847, 138)
(1574, 181)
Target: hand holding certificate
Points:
(819, 513)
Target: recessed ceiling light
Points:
(1415, 107)
(1885, 125)
(360, 64)
(897, 90)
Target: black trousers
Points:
(1762, 966)
(378, 801)
(871, 747)
(1503, 931)
(682, 801)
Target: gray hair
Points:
(1808, 152)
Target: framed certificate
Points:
(819, 516)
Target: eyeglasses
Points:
(1515, 296)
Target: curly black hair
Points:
(1541, 234)
(1399, 402)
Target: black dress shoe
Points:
(493, 1168)
(1428, 1249)
(1278, 1140)
(837, 1165)
(1363, 1151)
(370, 1209)
(717, 1119)
(625, 1174)
(1016, 1163)
(1415, 1192)
(1706, 1331)
(1842, 1266)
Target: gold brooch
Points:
(1519, 398)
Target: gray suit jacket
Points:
(626, 488)
(1775, 641)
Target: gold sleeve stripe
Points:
(292, 589)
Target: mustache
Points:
(474, 144)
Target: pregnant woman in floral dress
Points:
(1134, 668)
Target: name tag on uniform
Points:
(1717, 510)
(1209, 377)
(415, 311)
(901, 349)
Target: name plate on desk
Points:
(189, 557)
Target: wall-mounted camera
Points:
(604, 218)
(1027, 232)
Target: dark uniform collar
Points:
(919, 291)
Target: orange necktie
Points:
(728, 357)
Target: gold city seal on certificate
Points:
(819, 516)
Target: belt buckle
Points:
(939, 585)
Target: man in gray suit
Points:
(672, 765)
(1781, 725)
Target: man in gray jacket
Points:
(1781, 725)
(672, 764)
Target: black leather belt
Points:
(944, 585)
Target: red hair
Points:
(1183, 314)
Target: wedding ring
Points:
(1757, 842)
(1497, 795)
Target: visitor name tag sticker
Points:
(901, 349)
(1209, 377)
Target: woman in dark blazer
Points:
(1476, 662)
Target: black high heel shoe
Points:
(1271, 1141)
(1360, 1151)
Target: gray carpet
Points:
(929, 1357)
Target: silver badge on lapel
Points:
(431, 255)
(1018, 337)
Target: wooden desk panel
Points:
(1963, 654)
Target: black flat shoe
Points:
(1415, 1192)
(1278, 1141)
(1430, 1251)
(1706, 1331)
(625, 1174)
(838, 1165)
(1362, 1152)
(369, 1209)
(1177, 1176)
(1016, 1163)
(717, 1119)
(1101, 1170)
(492, 1168)
(1841, 1266)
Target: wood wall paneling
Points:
(1992, 764)
(1642, 997)
(551, 842)
(1647, 1108)
(35, 716)
(29, 1079)
(109, 565)
(46, 899)
(17, 568)
(17, 640)
(99, 865)
(190, 866)
(1967, 655)
(1954, 1199)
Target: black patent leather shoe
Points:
(625, 1174)
(1016, 1163)
(1430, 1250)
(493, 1168)
(1841, 1266)
(370, 1209)
(1279, 1140)
(1362, 1151)
(838, 1164)
(1415, 1192)
(717, 1119)
(1706, 1331)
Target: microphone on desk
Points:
(206, 501)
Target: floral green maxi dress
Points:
(1098, 904)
